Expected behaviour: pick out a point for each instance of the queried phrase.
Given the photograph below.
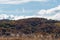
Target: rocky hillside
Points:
(29, 26)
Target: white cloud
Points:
(14, 17)
(18, 1)
(49, 11)
(52, 13)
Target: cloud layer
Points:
(18, 1)
(14, 17)
(53, 13)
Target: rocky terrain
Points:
(40, 27)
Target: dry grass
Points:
(31, 37)
(57, 24)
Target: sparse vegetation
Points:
(30, 29)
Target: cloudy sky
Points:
(18, 9)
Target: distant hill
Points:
(29, 26)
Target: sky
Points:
(20, 9)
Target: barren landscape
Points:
(30, 29)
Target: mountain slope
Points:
(29, 26)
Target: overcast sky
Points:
(18, 9)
